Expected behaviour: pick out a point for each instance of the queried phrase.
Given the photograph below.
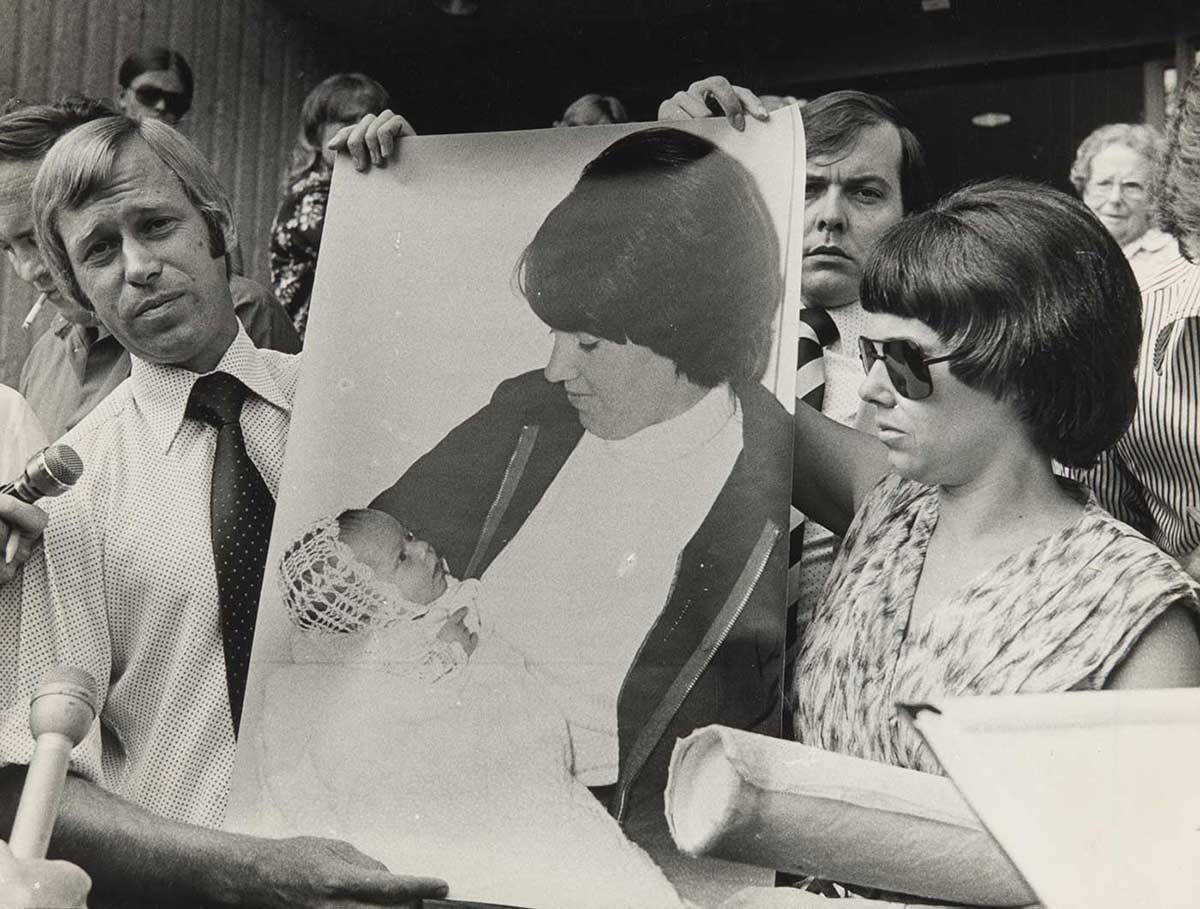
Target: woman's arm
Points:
(1166, 656)
(833, 468)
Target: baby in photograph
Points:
(404, 726)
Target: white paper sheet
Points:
(415, 320)
(1092, 794)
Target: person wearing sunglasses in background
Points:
(1002, 332)
(155, 84)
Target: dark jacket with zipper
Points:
(715, 653)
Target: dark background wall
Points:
(1058, 67)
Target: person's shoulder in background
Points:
(266, 321)
(1152, 254)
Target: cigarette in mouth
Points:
(34, 310)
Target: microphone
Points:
(50, 472)
(60, 714)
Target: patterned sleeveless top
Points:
(1058, 615)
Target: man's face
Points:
(141, 254)
(18, 242)
(850, 198)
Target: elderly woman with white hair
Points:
(1112, 174)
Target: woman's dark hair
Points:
(341, 98)
(1036, 297)
(665, 241)
(154, 60)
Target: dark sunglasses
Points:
(907, 367)
(173, 102)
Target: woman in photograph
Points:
(626, 506)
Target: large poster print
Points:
(532, 525)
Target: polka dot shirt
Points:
(124, 587)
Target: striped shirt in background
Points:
(1151, 477)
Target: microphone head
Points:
(54, 470)
(64, 702)
(64, 464)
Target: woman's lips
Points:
(886, 433)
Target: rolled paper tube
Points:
(778, 804)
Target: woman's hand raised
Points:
(373, 140)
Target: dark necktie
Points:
(241, 509)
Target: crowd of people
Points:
(996, 448)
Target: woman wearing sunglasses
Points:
(155, 85)
(1002, 335)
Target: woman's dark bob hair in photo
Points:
(665, 241)
(1034, 295)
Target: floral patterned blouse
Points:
(296, 239)
(1058, 615)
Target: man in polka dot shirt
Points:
(133, 224)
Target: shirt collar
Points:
(1151, 242)
(61, 327)
(682, 434)
(850, 321)
(161, 392)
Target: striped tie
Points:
(817, 331)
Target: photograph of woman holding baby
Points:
(629, 499)
(496, 656)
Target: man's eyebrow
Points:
(861, 179)
(105, 223)
(868, 177)
(81, 239)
